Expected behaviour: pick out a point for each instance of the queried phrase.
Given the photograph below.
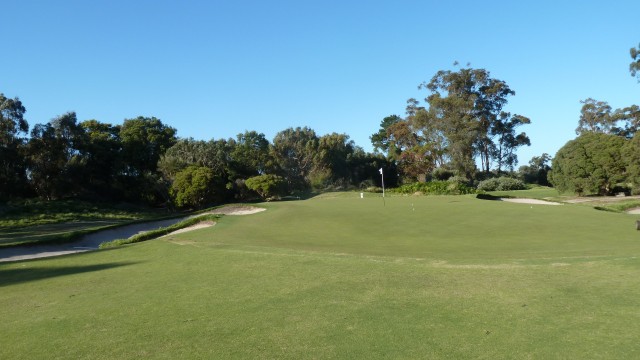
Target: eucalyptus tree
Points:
(464, 106)
(507, 141)
(595, 116)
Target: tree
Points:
(627, 121)
(463, 107)
(192, 187)
(12, 165)
(631, 158)
(267, 185)
(381, 140)
(634, 67)
(294, 151)
(250, 155)
(595, 116)
(590, 164)
(56, 163)
(144, 141)
(102, 153)
(537, 170)
(331, 161)
(507, 141)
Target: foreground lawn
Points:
(342, 277)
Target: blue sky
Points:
(213, 69)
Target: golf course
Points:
(339, 276)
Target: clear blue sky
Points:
(213, 69)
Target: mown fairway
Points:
(343, 277)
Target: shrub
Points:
(193, 186)
(442, 174)
(267, 186)
(501, 184)
(435, 188)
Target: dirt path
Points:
(93, 241)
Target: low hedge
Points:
(435, 188)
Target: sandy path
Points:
(93, 241)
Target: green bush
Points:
(435, 188)
(193, 186)
(501, 184)
(267, 186)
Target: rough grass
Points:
(342, 277)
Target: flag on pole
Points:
(382, 176)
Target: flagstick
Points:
(384, 202)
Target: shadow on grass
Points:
(18, 276)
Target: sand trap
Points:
(200, 225)
(237, 210)
(529, 201)
(633, 211)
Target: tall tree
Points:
(595, 116)
(465, 104)
(56, 163)
(331, 160)
(294, 150)
(102, 153)
(144, 140)
(504, 128)
(250, 155)
(13, 128)
(627, 121)
(382, 141)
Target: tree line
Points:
(460, 124)
(143, 160)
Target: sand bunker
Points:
(200, 225)
(633, 211)
(529, 201)
(237, 210)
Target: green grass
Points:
(342, 277)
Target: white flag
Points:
(380, 171)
